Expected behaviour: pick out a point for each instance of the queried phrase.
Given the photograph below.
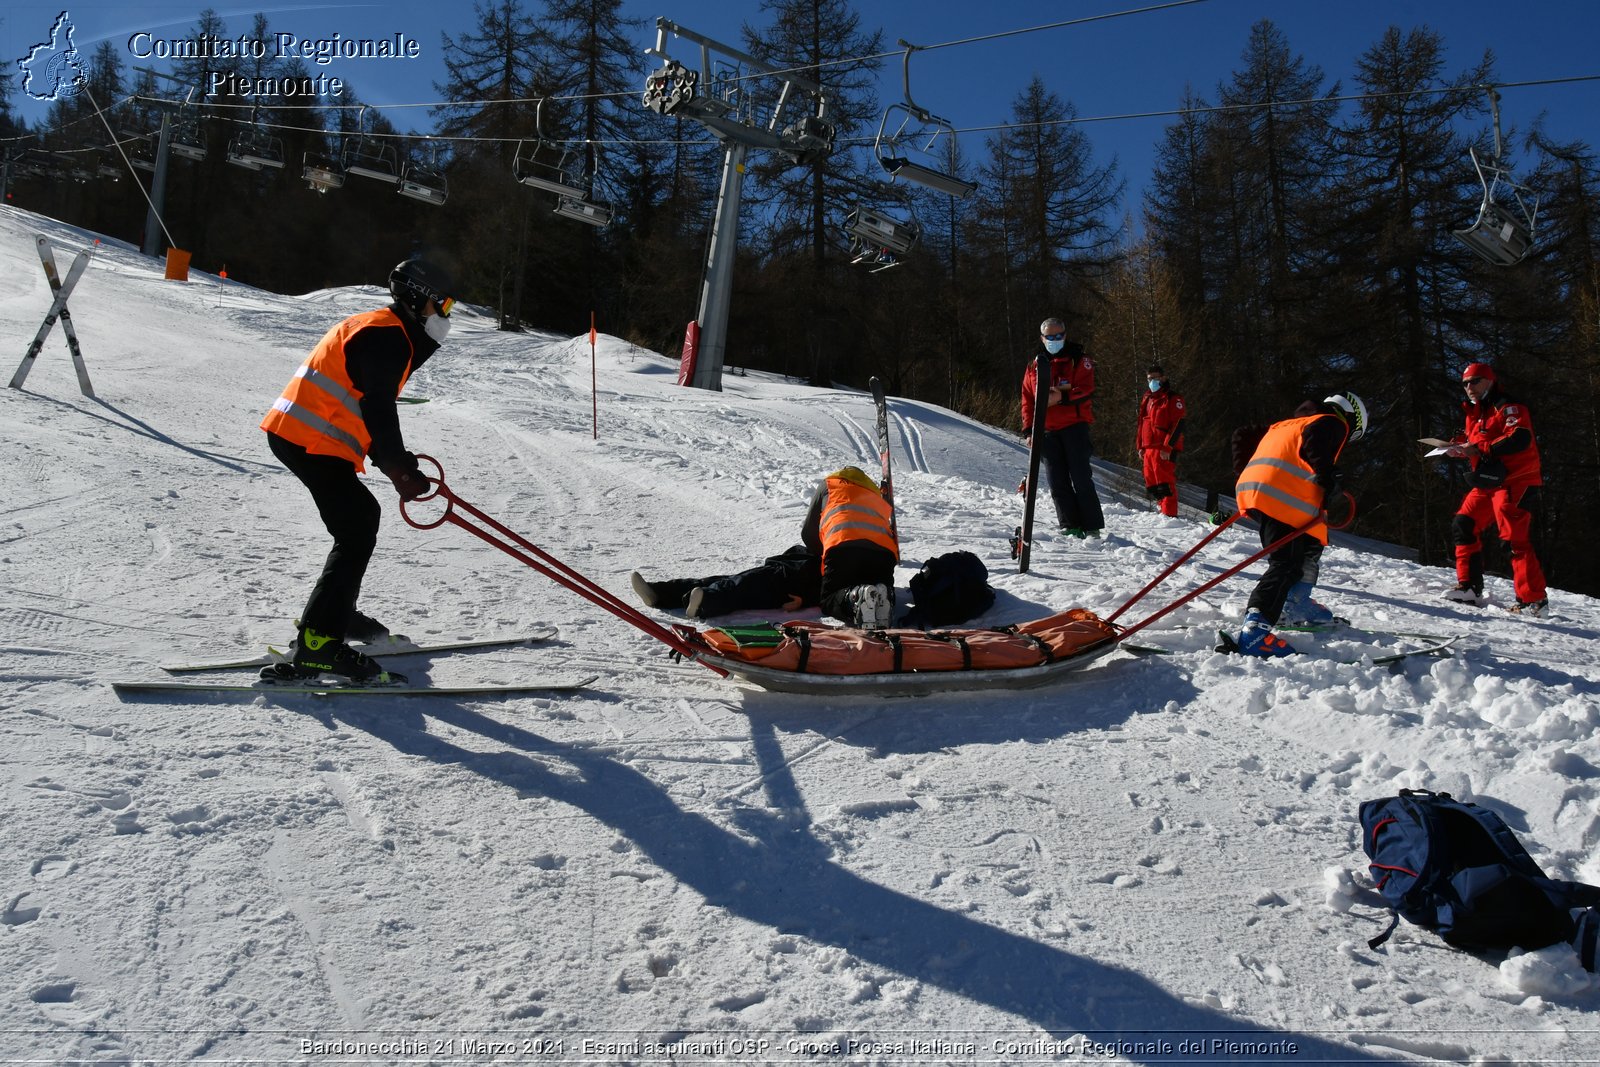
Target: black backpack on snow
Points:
(1458, 869)
(949, 589)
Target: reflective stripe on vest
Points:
(1280, 484)
(855, 513)
(320, 409)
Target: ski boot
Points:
(872, 606)
(1257, 639)
(1531, 609)
(1466, 593)
(315, 654)
(697, 602)
(647, 594)
(1299, 610)
(365, 630)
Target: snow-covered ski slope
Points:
(1161, 849)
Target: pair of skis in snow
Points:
(61, 290)
(1431, 644)
(327, 687)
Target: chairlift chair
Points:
(918, 130)
(141, 153)
(424, 183)
(584, 210)
(253, 150)
(1503, 233)
(879, 230)
(548, 164)
(187, 141)
(372, 160)
(321, 172)
(549, 167)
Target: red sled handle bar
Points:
(520, 548)
(1219, 579)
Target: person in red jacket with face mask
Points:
(1067, 447)
(1160, 438)
(1498, 440)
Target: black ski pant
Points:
(849, 564)
(1297, 561)
(795, 572)
(351, 513)
(1071, 478)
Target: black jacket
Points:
(375, 358)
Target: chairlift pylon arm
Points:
(665, 26)
(905, 76)
(1494, 111)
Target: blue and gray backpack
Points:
(1457, 869)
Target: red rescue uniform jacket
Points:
(1161, 416)
(1074, 376)
(1502, 428)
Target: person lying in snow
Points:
(845, 562)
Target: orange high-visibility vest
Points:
(320, 409)
(854, 512)
(1278, 483)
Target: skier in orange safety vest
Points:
(1284, 487)
(851, 527)
(338, 409)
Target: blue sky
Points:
(1122, 66)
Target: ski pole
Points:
(520, 548)
(1181, 561)
(1224, 576)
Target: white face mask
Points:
(437, 327)
(1054, 347)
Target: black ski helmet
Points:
(416, 281)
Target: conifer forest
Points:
(1295, 238)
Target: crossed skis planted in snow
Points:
(61, 291)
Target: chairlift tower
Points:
(153, 228)
(724, 107)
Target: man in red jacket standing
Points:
(1498, 439)
(1160, 438)
(1067, 446)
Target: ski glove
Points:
(407, 477)
(1340, 509)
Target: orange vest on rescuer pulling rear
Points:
(1278, 483)
(854, 512)
(320, 409)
